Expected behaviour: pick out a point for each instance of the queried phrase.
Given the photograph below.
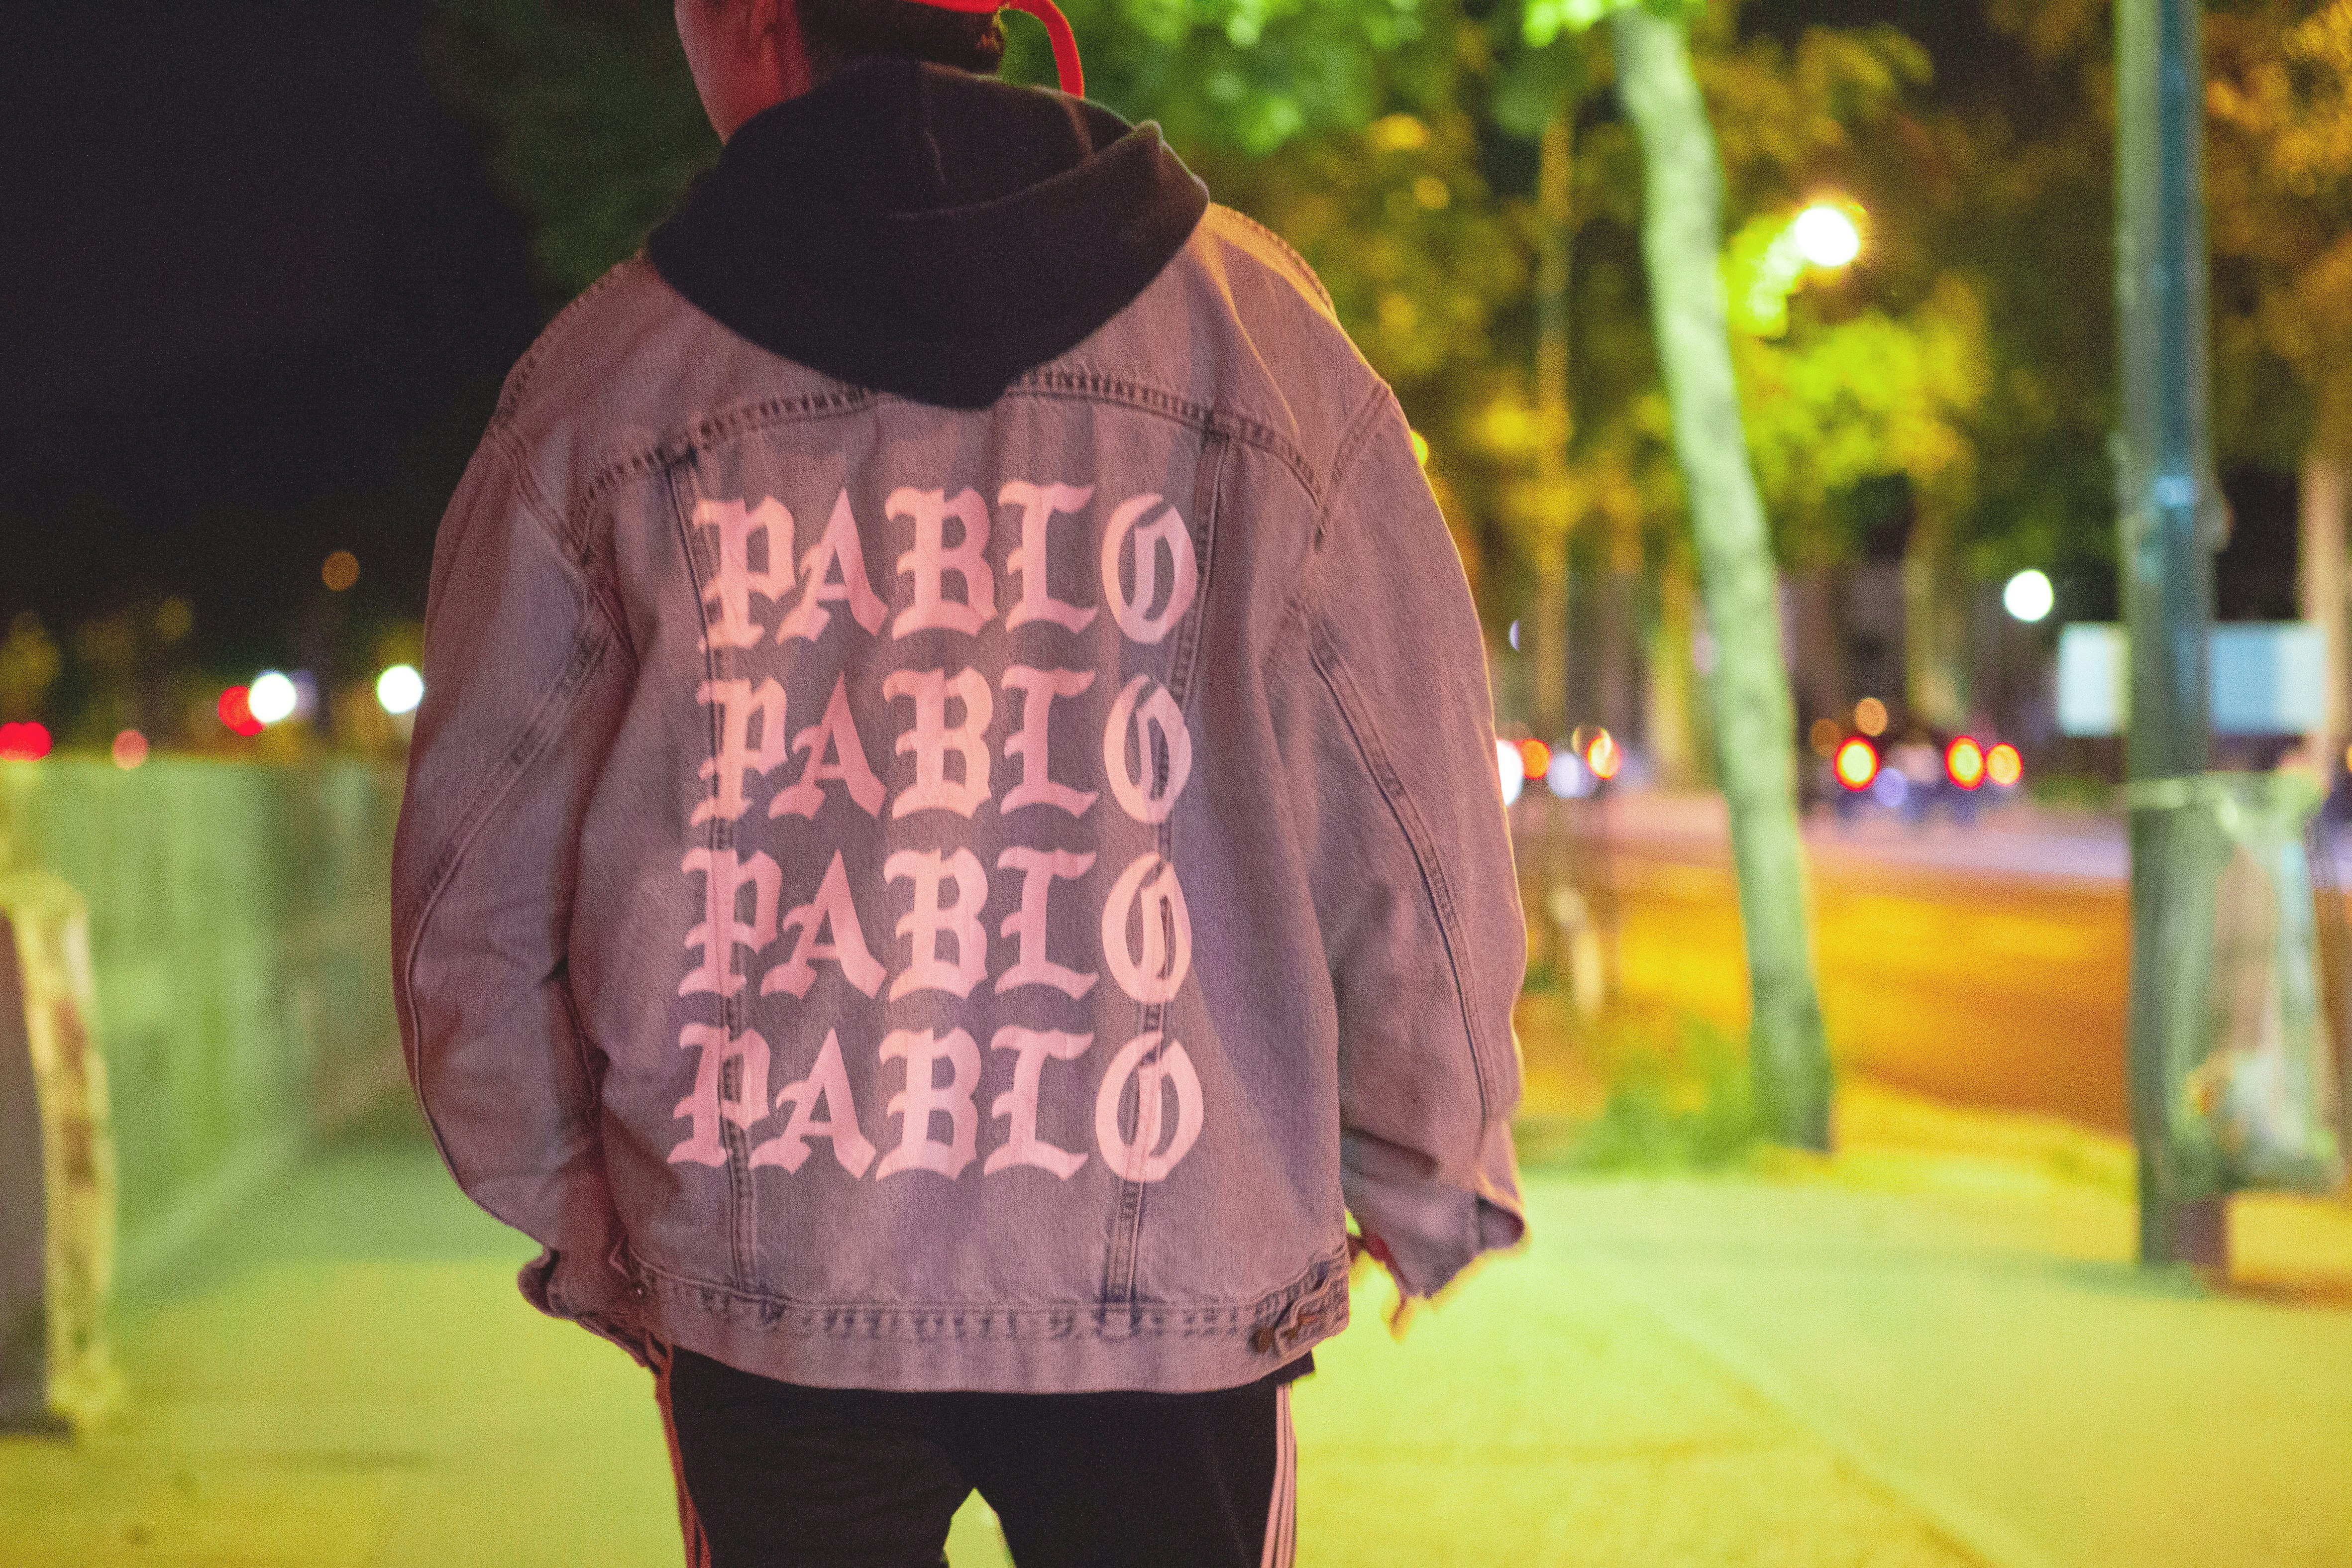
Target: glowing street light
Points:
(272, 697)
(1827, 236)
(1769, 258)
(2028, 596)
(399, 689)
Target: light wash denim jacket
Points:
(908, 898)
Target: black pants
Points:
(775, 1475)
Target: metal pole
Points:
(2169, 522)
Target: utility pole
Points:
(2171, 515)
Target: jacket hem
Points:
(1055, 1348)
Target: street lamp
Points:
(1827, 235)
(2028, 596)
(399, 689)
(1771, 258)
(272, 697)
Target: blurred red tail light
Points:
(1964, 762)
(1857, 763)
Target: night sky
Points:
(259, 297)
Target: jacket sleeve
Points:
(1410, 860)
(525, 680)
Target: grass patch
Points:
(1687, 1106)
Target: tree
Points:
(1755, 716)
(2278, 101)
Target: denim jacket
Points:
(901, 896)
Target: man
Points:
(953, 832)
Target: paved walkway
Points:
(1902, 1357)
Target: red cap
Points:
(1057, 29)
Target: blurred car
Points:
(1921, 774)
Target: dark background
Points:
(261, 293)
(259, 298)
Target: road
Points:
(1986, 965)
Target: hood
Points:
(927, 232)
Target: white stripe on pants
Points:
(1282, 1512)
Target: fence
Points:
(239, 954)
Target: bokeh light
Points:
(1870, 717)
(27, 741)
(2003, 766)
(1964, 762)
(1827, 235)
(340, 570)
(1824, 736)
(1514, 769)
(129, 750)
(1569, 778)
(2029, 596)
(1602, 755)
(399, 689)
(1534, 758)
(1857, 763)
(236, 710)
(272, 696)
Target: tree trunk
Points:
(1681, 240)
(1552, 944)
(1543, 641)
(1817, 645)
(1546, 642)
(1674, 757)
(1934, 624)
(1618, 702)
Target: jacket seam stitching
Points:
(1360, 429)
(717, 837)
(575, 560)
(538, 733)
(519, 381)
(1078, 385)
(670, 451)
(1127, 1249)
(1325, 656)
(1287, 249)
(1065, 385)
(1300, 1284)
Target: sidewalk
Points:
(1909, 1355)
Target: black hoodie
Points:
(927, 232)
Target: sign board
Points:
(2268, 678)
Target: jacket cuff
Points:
(590, 1284)
(1433, 1229)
